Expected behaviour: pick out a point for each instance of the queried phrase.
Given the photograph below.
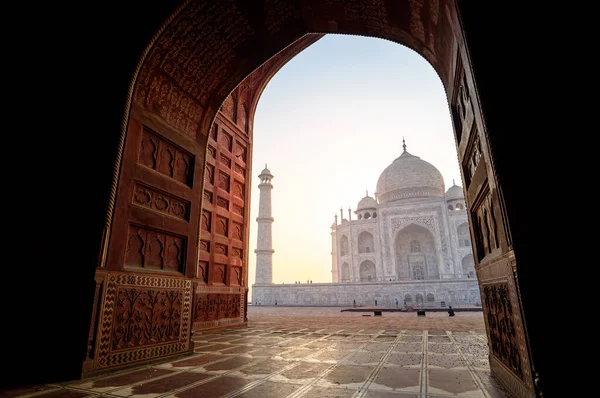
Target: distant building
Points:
(411, 242)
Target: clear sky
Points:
(327, 124)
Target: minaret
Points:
(264, 247)
(334, 267)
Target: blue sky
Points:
(327, 124)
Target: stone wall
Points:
(453, 292)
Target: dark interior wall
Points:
(76, 64)
(508, 64)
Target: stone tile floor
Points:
(291, 352)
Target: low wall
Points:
(452, 292)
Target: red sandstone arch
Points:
(204, 52)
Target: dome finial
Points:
(367, 192)
(403, 144)
(266, 166)
(453, 183)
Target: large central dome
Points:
(409, 177)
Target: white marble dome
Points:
(409, 177)
(366, 203)
(455, 192)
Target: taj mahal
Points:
(409, 245)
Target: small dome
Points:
(455, 192)
(366, 203)
(265, 172)
(407, 177)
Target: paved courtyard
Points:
(292, 352)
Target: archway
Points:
(344, 246)
(179, 113)
(367, 271)
(346, 277)
(468, 266)
(366, 243)
(464, 237)
(415, 253)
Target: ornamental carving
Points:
(208, 196)
(206, 220)
(237, 230)
(205, 246)
(503, 338)
(425, 221)
(212, 152)
(203, 271)
(210, 174)
(222, 202)
(225, 141)
(224, 181)
(226, 161)
(214, 131)
(165, 203)
(238, 209)
(146, 316)
(221, 249)
(240, 151)
(222, 226)
(142, 318)
(220, 274)
(238, 189)
(164, 157)
(152, 249)
(215, 306)
(237, 253)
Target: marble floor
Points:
(289, 352)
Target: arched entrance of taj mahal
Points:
(168, 218)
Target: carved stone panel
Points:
(208, 197)
(237, 209)
(154, 199)
(205, 245)
(225, 161)
(215, 306)
(238, 189)
(472, 156)
(224, 181)
(154, 249)
(166, 158)
(222, 226)
(220, 273)
(228, 108)
(238, 230)
(142, 318)
(203, 271)
(212, 152)
(237, 276)
(206, 220)
(210, 174)
(222, 202)
(225, 141)
(240, 151)
(214, 131)
(503, 340)
(220, 249)
(485, 226)
(242, 119)
(237, 253)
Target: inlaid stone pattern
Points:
(142, 317)
(311, 353)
